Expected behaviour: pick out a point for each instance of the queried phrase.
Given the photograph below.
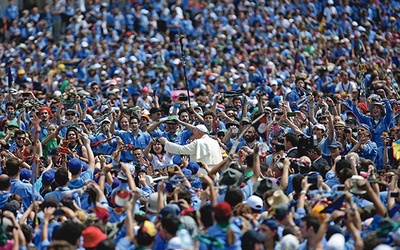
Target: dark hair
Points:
(206, 215)
(69, 231)
(341, 164)
(12, 166)
(28, 232)
(184, 193)
(107, 244)
(19, 132)
(134, 117)
(61, 176)
(312, 221)
(171, 223)
(296, 184)
(4, 182)
(234, 196)
(345, 174)
(210, 112)
(292, 138)
(249, 160)
(8, 104)
(183, 111)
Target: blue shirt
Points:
(80, 181)
(217, 233)
(25, 191)
(139, 141)
(4, 198)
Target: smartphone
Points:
(275, 128)
(291, 114)
(394, 194)
(340, 188)
(58, 212)
(312, 179)
(26, 94)
(171, 169)
(116, 166)
(183, 98)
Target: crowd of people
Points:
(229, 124)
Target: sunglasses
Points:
(70, 114)
(20, 138)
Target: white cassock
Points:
(204, 149)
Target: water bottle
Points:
(186, 239)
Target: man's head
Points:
(155, 114)
(134, 122)
(183, 115)
(12, 167)
(200, 131)
(138, 154)
(335, 149)
(209, 117)
(169, 226)
(5, 182)
(19, 138)
(61, 177)
(344, 76)
(290, 140)
(309, 226)
(251, 135)
(315, 153)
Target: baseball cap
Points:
(223, 209)
(75, 165)
(25, 174)
(255, 202)
(11, 206)
(48, 177)
(335, 144)
(193, 166)
(320, 126)
(169, 209)
(92, 236)
(340, 124)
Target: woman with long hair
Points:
(157, 156)
(74, 143)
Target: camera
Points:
(307, 143)
(279, 145)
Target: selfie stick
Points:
(184, 67)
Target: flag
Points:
(336, 205)
(10, 77)
(396, 149)
(261, 127)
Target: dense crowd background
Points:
(200, 125)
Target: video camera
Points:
(306, 143)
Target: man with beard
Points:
(44, 114)
(250, 139)
(202, 148)
(23, 152)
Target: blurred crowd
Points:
(185, 124)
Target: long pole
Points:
(184, 67)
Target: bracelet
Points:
(303, 192)
(102, 174)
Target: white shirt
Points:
(204, 149)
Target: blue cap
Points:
(196, 182)
(177, 159)
(70, 74)
(272, 224)
(193, 166)
(25, 174)
(363, 125)
(169, 209)
(187, 173)
(335, 144)
(75, 165)
(48, 177)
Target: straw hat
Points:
(277, 198)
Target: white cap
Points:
(255, 202)
(241, 65)
(84, 44)
(354, 23)
(274, 82)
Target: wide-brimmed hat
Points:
(381, 105)
(277, 198)
(231, 177)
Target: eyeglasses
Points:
(70, 114)
(20, 138)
